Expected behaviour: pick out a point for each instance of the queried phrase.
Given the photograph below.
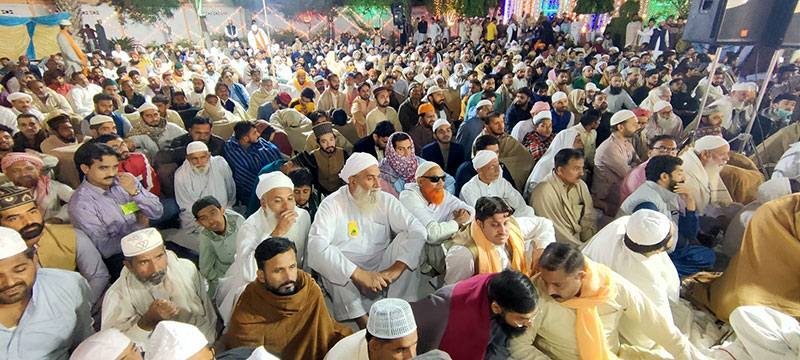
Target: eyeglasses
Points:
(434, 179)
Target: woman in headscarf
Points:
(576, 103)
(567, 138)
(400, 163)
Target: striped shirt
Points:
(247, 162)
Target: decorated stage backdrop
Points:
(31, 36)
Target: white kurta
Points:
(474, 189)
(56, 194)
(353, 347)
(553, 332)
(706, 189)
(242, 272)
(81, 98)
(128, 299)
(537, 232)
(789, 164)
(344, 238)
(656, 276)
(8, 118)
(191, 186)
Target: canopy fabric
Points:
(38, 34)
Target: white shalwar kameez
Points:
(344, 238)
(475, 188)
(128, 299)
(190, 186)
(242, 272)
(437, 220)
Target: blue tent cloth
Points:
(31, 22)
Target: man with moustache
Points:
(617, 97)
(613, 161)
(435, 96)
(156, 285)
(202, 175)
(101, 206)
(382, 111)
(278, 216)
(422, 132)
(440, 212)
(283, 309)
(45, 312)
(57, 246)
(332, 98)
(25, 170)
(586, 309)
(217, 239)
(364, 243)
(62, 133)
(447, 154)
(326, 160)
(702, 164)
(133, 163)
(104, 105)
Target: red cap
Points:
(641, 112)
(284, 98)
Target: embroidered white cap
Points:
(141, 241)
(391, 319)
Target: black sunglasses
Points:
(434, 179)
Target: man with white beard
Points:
(701, 166)
(279, 217)
(742, 101)
(202, 175)
(663, 122)
(351, 244)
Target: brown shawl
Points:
(296, 326)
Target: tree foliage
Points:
(146, 11)
(594, 6)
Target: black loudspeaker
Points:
(792, 37)
(398, 14)
(739, 22)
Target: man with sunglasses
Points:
(659, 145)
(440, 212)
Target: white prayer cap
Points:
(517, 57)
(272, 180)
(65, 22)
(440, 122)
(482, 158)
(484, 102)
(407, 71)
(391, 319)
(542, 115)
(741, 86)
(18, 95)
(433, 89)
(591, 87)
(587, 67)
(356, 163)
(141, 241)
(709, 142)
(519, 66)
(622, 116)
(100, 119)
(11, 243)
(661, 105)
(614, 48)
(424, 167)
(198, 76)
(647, 227)
(147, 106)
(558, 96)
(107, 344)
(196, 146)
(172, 340)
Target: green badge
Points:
(129, 208)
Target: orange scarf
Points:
(597, 289)
(489, 261)
(260, 42)
(75, 47)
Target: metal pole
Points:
(760, 98)
(266, 26)
(704, 102)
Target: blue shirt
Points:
(560, 122)
(247, 162)
(58, 318)
(239, 93)
(99, 214)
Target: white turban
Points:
(622, 116)
(558, 96)
(107, 344)
(196, 76)
(591, 87)
(391, 319)
(709, 142)
(100, 119)
(482, 158)
(542, 115)
(11, 243)
(484, 102)
(147, 106)
(742, 86)
(196, 146)
(18, 95)
(272, 180)
(440, 122)
(172, 340)
(661, 105)
(647, 227)
(424, 167)
(355, 164)
(519, 66)
(141, 241)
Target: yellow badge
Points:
(352, 229)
